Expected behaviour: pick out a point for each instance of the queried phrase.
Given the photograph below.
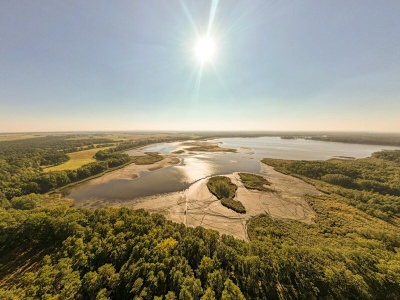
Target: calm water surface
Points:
(197, 166)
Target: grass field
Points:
(77, 160)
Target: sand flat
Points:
(196, 206)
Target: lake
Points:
(196, 166)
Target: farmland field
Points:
(77, 160)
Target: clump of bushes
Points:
(234, 205)
(255, 182)
(223, 188)
(148, 159)
(26, 202)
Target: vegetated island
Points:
(205, 147)
(223, 188)
(255, 182)
(147, 159)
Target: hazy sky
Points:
(129, 65)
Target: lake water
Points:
(194, 167)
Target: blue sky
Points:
(129, 65)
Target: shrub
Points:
(234, 205)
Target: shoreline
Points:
(196, 206)
(73, 184)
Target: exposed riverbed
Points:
(194, 166)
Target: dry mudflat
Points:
(196, 206)
(132, 171)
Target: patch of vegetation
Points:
(255, 182)
(392, 139)
(148, 159)
(370, 184)
(210, 149)
(390, 155)
(370, 139)
(235, 205)
(121, 253)
(206, 147)
(32, 201)
(76, 160)
(223, 188)
(178, 152)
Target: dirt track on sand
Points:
(196, 206)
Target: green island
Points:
(147, 159)
(223, 188)
(50, 249)
(255, 182)
(201, 146)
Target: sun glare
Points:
(205, 49)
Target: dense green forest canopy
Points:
(69, 253)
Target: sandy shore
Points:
(196, 206)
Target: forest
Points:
(51, 250)
(60, 252)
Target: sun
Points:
(205, 49)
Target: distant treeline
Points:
(370, 140)
(389, 139)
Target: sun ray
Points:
(189, 17)
(197, 84)
(213, 10)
